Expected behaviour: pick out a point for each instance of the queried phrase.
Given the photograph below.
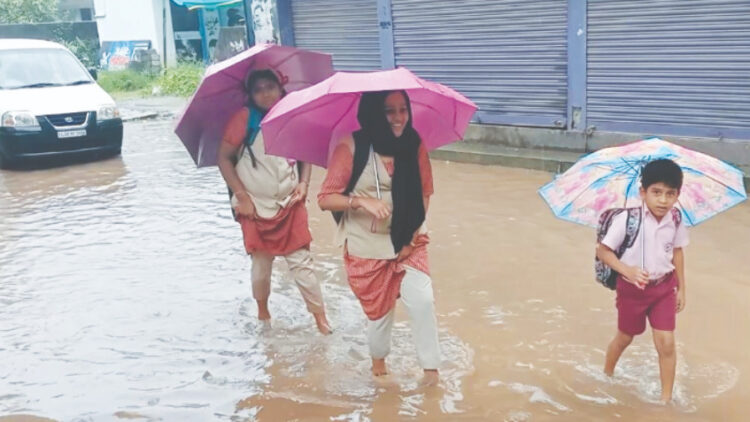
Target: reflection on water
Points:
(124, 294)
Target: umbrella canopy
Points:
(221, 93)
(610, 178)
(305, 124)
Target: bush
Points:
(125, 81)
(28, 11)
(87, 51)
(181, 80)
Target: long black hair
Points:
(408, 202)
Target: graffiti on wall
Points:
(264, 12)
(117, 55)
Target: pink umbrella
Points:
(221, 92)
(305, 124)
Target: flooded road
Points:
(125, 294)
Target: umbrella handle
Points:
(643, 235)
(375, 168)
(374, 224)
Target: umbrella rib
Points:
(714, 179)
(354, 100)
(301, 110)
(285, 59)
(222, 92)
(453, 128)
(584, 190)
(304, 109)
(692, 223)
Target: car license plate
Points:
(71, 133)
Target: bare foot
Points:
(378, 367)
(665, 400)
(263, 313)
(430, 378)
(322, 323)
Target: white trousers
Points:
(300, 265)
(418, 298)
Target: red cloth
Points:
(377, 282)
(656, 302)
(281, 235)
(236, 129)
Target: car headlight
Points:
(20, 120)
(107, 113)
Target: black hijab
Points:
(408, 205)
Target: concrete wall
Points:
(265, 21)
(734, 151)
(50, 31)
(73, 8)
(131, 20)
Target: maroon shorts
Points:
(656, 302)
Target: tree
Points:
(28, 11)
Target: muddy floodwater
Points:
(125, 295)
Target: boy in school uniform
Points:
(655, 291)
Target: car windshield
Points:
(35, 68)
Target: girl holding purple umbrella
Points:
(379, 181)
(268, 198)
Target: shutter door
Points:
(508, 56)
(348, 29)
(678, 67)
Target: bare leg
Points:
(614, 351)
(430, 378)
(263, 313)
(261, 280)
(322, 322)
(664, 342)
(378, 367)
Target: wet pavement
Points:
(124, 294)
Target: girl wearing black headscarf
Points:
(382, 198)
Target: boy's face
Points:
(659, 198)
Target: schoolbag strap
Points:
(361, 150)
(633, 223)
(676, 217)
(359, 161)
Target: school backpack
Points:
(604, 274)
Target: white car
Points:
(51, 105)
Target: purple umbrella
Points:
(221, 92)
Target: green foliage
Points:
(125, 81)
(87, 51)
(181, 80)
(28, 11)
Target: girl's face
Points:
(265, 93)
(396, 112)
